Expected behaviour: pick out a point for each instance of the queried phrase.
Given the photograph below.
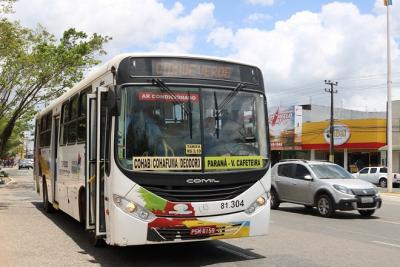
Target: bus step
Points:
(55, 205)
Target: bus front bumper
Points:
(128, 230)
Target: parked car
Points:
(324, 185)
(377, 175)
(25, 164)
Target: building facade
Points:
(358, 136)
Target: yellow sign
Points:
(193, 149)
(166, 163)
(233, 162)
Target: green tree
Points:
(36, 68)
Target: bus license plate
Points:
(367, 200)
(203, 230)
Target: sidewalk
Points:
(395, 192)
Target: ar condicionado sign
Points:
(165, 97)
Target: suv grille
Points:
(364, 192)
(199, 193)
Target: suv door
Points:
(283, 180)
(301, 187)
(363, 174)
(373, 175)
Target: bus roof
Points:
(106, 67)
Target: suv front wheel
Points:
(274, 199)
(325, 206)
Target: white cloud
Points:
(256, 17)
(261, 2)
(131, 23)
(182, 44)
(221, 37)
(304, 50)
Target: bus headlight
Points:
(260, 201)
(132, 208)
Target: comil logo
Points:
(201, 181)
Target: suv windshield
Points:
(162, 130)
(330, 171)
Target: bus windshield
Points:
(189, 129)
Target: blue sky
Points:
(296, 43)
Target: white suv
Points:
(324, 185)
(377, 175)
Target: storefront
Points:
(357, 143)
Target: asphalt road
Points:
(29, 237)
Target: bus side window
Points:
(82, 117)
(64, 126)
(73, 110)
(45, 130)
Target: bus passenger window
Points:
(82, 117)
(45, 130)
(64, 125)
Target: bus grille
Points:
(200, 193)
(169, 234)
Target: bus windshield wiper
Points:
(225, 101)
(176, 101)
(230, 96)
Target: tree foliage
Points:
(36, 68)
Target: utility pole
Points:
(331, 128)
(389, 162)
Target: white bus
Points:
(155, 148)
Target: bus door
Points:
(95, 160)
(55, 156)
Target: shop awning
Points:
(394, 148)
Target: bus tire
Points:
(47, 206)
(96, 241)
(82, 206)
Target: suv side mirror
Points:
(308, 177)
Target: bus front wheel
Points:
(47, 206)
(97, 242)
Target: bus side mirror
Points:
(114, 101)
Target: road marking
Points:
(11, 181)
(387, 244)
(388, 221)
(237, 253)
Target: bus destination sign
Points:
(191, 68)
(195, 69)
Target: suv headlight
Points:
(343, 189)
(132, 208)
(376, 191)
